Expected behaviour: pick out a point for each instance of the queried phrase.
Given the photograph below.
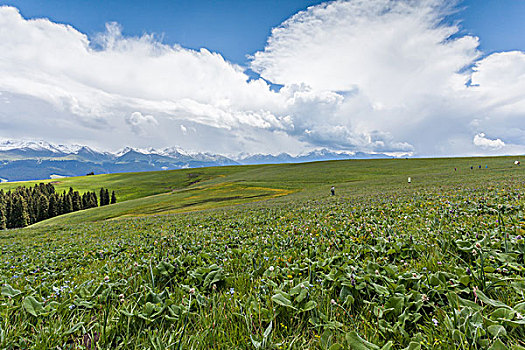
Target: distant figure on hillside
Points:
(332, 190)
(480, 167)
(517, 162)
(471, 167)
(409, 180)
(455, 169)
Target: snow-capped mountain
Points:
(33, 160)
(313, 156)
(9, 145)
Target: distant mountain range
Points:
(36, 160)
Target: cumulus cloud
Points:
(139, 123)
(405, 73)
(481, 141)
(362, 75)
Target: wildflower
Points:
(121, 297)
(435, 322)
(424, 297)
(468, 271)
(289, 276)
(271, 268)
(192, 290)
(474, 252)
(505, 270)
(106, 278)
(333, 302)
(439, 263)
(377, 272)
(414, 275)
(214, 287)
(478, 245)
(71, 307)
(232, 290)
(519, 316)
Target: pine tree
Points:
(19, 215)
(3, 220)
(77, 201)
(113, 197)
(67, 204)
(53, 206)
(42, 208)
(106, 196)
(102, 197)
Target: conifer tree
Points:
(42, 208)
(19, 215)
(53, 206)
(3, 220)
(102, 196)
(76, 201)
(113, 197)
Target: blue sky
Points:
(399, 77)
(237, 28)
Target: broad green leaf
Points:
(357, 343)
(9, 291)
(32, 306)
(282, 300)
(498, 345)
(413, 346)
(497, 330)
(309, 306)
(489, 301)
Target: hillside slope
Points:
(164, 192)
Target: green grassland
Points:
(154, 193)
(262, 257)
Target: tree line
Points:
(26, 205)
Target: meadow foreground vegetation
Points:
(383, 264)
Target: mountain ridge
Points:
(37, 160)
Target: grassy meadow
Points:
(262, 257)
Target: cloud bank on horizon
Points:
(373, 76)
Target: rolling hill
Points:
(175, 191)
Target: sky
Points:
(423, 78)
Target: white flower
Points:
(271, 268)
(192, 290)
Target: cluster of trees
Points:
(27, 205)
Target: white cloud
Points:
(405, 74)
(367, 75)
(481, 141)
(139, 123)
